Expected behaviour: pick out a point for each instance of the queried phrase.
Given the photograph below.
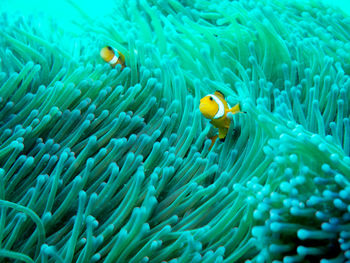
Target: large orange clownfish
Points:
(215, 108)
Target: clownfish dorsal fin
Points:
(219, 94)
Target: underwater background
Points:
(108, 165)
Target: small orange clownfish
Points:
(215, 108)
(113, 58)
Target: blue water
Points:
(62, 11)
(343, 5)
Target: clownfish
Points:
(113, 58)
(215, 108)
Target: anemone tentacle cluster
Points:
(109, 165)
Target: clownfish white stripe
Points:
(113, 60)
(221, 110)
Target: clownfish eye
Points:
(109, 47)
(211, 98)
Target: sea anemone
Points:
(101, 164)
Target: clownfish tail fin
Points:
(235, 109)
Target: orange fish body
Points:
(215, 108)
(109, 55)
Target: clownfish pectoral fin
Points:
(235, 109)
(213, 139)
(121, 58)
(222, 133)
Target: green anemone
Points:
(108, 165)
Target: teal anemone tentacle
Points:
(33, 216)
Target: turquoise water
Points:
(63, 11)
(341, 4)
(117, 162)
(60, 10)
(57, 8)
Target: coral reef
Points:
(99, 164)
